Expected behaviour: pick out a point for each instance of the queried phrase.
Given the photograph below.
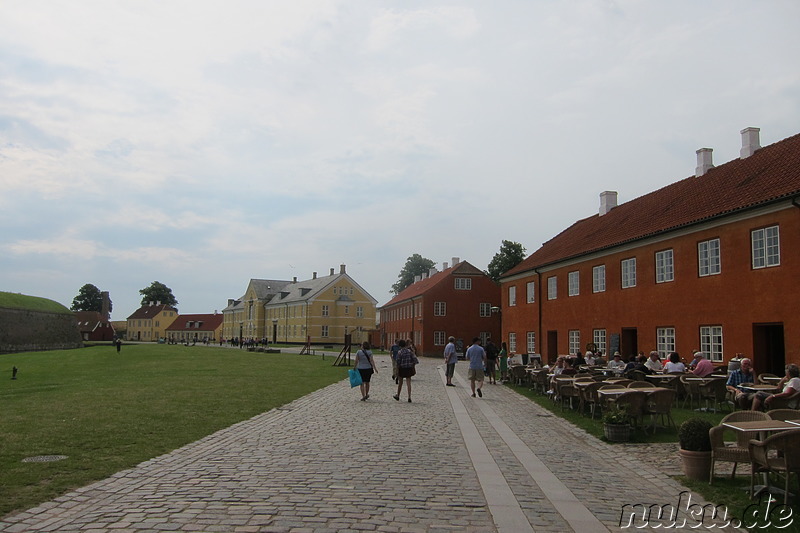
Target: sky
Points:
(201, 144)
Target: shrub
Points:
(693, 435)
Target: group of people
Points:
(788, 385)
(651, 364)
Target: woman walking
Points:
(406, 360)
(365, 365)
(503, 356)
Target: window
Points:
(531, 292)
(664, 268)
(512, 296)
(628, 272)
(708, 257)
(463, 284)
(485, 310)
(574, 281)
(439, 308)
(360, 312)
(711, 342)
(438, 338)
(599, 339)
(766, 247)
(665, 341)
(324, 331)
(574, 341)
(552, 292)
(599, 278)
(347, 309)
(512, 342)
(531, 342)
(324, 310)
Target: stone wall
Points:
(27, 331)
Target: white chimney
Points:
(432, 271)
(608, 201)
(444, 265)
(417, 278)
(750, 142)
(456, 260)
(704, 163)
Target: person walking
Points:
(477, 362)
(491, 361)
(406, 361)
(503, 357)
(450, 359)
(365, 365)
(395, 349)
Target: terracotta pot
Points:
(696, 465)
(617, 432)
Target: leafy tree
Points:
(158, 292)
(415, 265)
(510, 255)
(89, 298)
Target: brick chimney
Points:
(105, 305)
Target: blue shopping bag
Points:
(355, 377)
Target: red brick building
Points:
(461, 301)
(711, 262)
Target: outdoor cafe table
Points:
(757, 426)
(613, 393)
(661, 377)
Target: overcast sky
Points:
(201, 144)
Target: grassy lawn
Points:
(109, 412)
(724, 491)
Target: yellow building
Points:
(321, 309)
(149, 322)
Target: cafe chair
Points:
(777, 454)
(784, 414)
(691, 390)
(640, 385)
(792, 402)
(714, 391)
(633, 403)
(733, 452)
(762, 378)
(659, 406)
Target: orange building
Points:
(711, 262)
(461, 301)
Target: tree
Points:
(158, 292)
(89, 298)
(415, 265)
(510, 255)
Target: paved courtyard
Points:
(331, 463)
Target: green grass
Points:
(109, 412)
(725, 491)
(12, 300)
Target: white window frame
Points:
(439, 338)
(711, 342)
(599, 278)
(359, 312)
(665, 340)
(512, 296)
(530, 292)
(665, 266)
(552, 287)
(766, 247)
(574, 283)
(512, 342)
(574, 341)
(485, 310)
(439, 308)
(325, 310)
(709, 260)
(324, 331)
(463, 284)
(599, 339)
(628, 272)
(531, 341)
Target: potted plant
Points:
(695, 448)
(616, 426)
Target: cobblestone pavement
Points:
(328, 462)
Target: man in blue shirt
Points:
(450, 359)
(740, 377)
(477, 362)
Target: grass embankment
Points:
(12, 300)
(108, 412)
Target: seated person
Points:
(641, 364)
(737, 378)
(654, 362)
(578, 360)
(674, 364)
(702, 366)
(590, 358)
(617, 364)
(790, 385)
(569, 370)
(556, 371)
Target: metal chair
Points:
(737, 452)
(780, 454)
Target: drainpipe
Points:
(539, 301)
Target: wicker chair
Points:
(714, 391)
(588, 396)
(762, 378)
(518, 374)
(691, 390)
(620, 381)
(780, 454)
(633, 402)
(792, 402)
(736, 452)
(659, 405)
(640, 385)
(635, 375)
(566, 393)
(784, 414)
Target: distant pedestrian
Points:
(365, 365)
(450, 360)
(406, 361)
(118, 344)
(491, 361)
(395, 349)
(477, 362)
(503, 357)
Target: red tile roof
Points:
(208, 322)
(772, 173)
(421, 287)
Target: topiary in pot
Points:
(695, 447)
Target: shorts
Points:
(451, 369)
(490, 366)
(475, 374)
(406, 372)
(366, 374)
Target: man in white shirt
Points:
(450, 359)
(654, 363)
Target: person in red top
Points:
(702, 366)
